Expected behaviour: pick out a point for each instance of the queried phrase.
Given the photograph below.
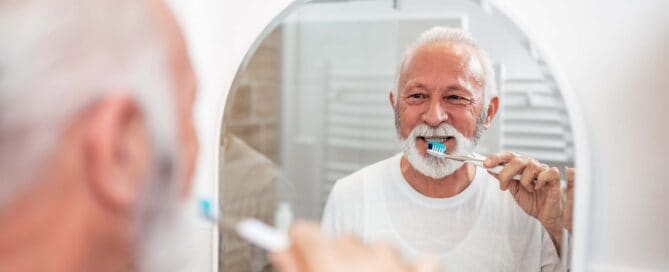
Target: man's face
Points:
(441, 87)
(172, 226)
(185, 84)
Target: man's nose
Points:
(435, 114)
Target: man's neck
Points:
(448, 186)
(47, 232)
(35, 239)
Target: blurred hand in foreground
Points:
(312, 251)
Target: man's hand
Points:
(537, 192)
(312, 251)
(569, 201)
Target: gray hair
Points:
(439, 34)
(58, 57)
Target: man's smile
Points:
(441, 139)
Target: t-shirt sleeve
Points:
(343, 209)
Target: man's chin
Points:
(432, 167)
(166, 244)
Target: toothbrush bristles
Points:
(436, 149)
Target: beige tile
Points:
(265, 101)
(241, 104)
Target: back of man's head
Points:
(85, 90)
(59, 57)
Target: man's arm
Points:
(537, 192)
(343, 213)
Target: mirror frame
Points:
(581, 141)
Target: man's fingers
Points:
(499, 158)
(535, 183)
(514, 164)
(548, 176)
(509, 184)
(284, 261)
(570, 177)
(308, 244)
(533, 174)
(426, 264)
(503, 184)
(349, 246)
(388, 258)
(512, 168)
(492, 161)
(529, 174)
(569, 205)
(313, 251)
(386, 251)
(305, 234)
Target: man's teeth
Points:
(437, 139)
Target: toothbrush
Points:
(251, 229)
(438, 150)
(262, 235)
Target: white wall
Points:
(614, 55)
(611, 52)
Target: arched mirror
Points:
(310, 106)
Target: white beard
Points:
(429, 165)
(168, 243)
(165, 227)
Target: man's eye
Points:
(418, 96)
(458, 99)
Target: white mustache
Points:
(444, 130)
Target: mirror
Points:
(310, 107)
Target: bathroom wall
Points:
(333, 49)
(255, 110)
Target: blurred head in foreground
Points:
(97, 144)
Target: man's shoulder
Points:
(369, 173)
(344, 211)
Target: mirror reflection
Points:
(345, 112)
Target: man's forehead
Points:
(442, 60)
(177, 49)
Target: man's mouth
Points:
(440, 139)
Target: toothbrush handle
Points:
(495, 169)
(262, 235)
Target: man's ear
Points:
(117, 152)
(492, 110)
(391, 98)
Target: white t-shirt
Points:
(480, 229)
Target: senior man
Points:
(96, 135)
(432, 206)
(98, 145)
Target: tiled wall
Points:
(248, 159)
(255, 103)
